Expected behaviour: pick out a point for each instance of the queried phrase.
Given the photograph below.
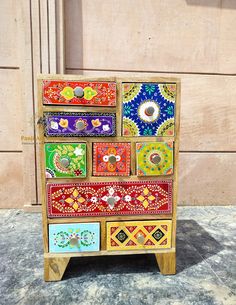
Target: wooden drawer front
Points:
(132, 235)
(59, 92)
(148, 109)
(78, 124)
(65, 160)
(111, 159)
(74, 237)
(154, 159)
(109, 198)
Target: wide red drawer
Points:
(60, 92)
(109, 198)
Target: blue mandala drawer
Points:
(148, 109)
(75, 237)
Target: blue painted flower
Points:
(147, 131)
(127, 109)
(169, 110)
(150, 89)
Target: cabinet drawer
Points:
(154, 159)
(111, 159)
(75, 237)
(59, 92)
(78, 124)
(65, 160)
(109, 198)
(132, 235)
(148, 109)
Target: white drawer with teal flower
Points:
(74, 237)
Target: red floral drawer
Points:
(111, 159)
(58, 92)
(109, 198)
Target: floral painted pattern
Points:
(76, 124)
(58, 92)
(74, 237)
(65, 160)
(138, 98)
(111, 159)
(154, 159)
(109, 198)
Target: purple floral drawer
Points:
(78, 124)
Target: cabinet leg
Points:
(54, 268)
(166, 262)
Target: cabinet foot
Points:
(54, 268)
(166, 262)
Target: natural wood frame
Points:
(55, 263)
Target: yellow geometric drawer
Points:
(133, 235)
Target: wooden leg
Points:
(54, 268)
(166, 262)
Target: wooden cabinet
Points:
(109, 164)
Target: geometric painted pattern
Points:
(133, 235)
(74, 237)
(65, 160)
(111, 159)
(154, 158)
(57, 92)
(109, 198)
(148, 109)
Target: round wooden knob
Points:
(65, 162)
(111, 201)
(74, 241)
(112, 159)
(80, 125)
(155, 158)
(79, 92)
(140, 238)
(149, 111)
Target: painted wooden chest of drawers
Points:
(109, 164)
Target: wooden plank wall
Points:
(191, 39)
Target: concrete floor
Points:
(206, 266)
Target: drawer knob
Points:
(111, 202)
(65, 162)
(140, 238)
(149, 111)
(79, 92)
(80, 125)
(155, 158)
(74, 241)
(112, 159)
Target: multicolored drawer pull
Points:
(154, 159)
(77, 124)
(133, 235)
(148, 109)
(109, 198)
(74, 237)
(59, 92)
(111, 159)
(65, 160)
